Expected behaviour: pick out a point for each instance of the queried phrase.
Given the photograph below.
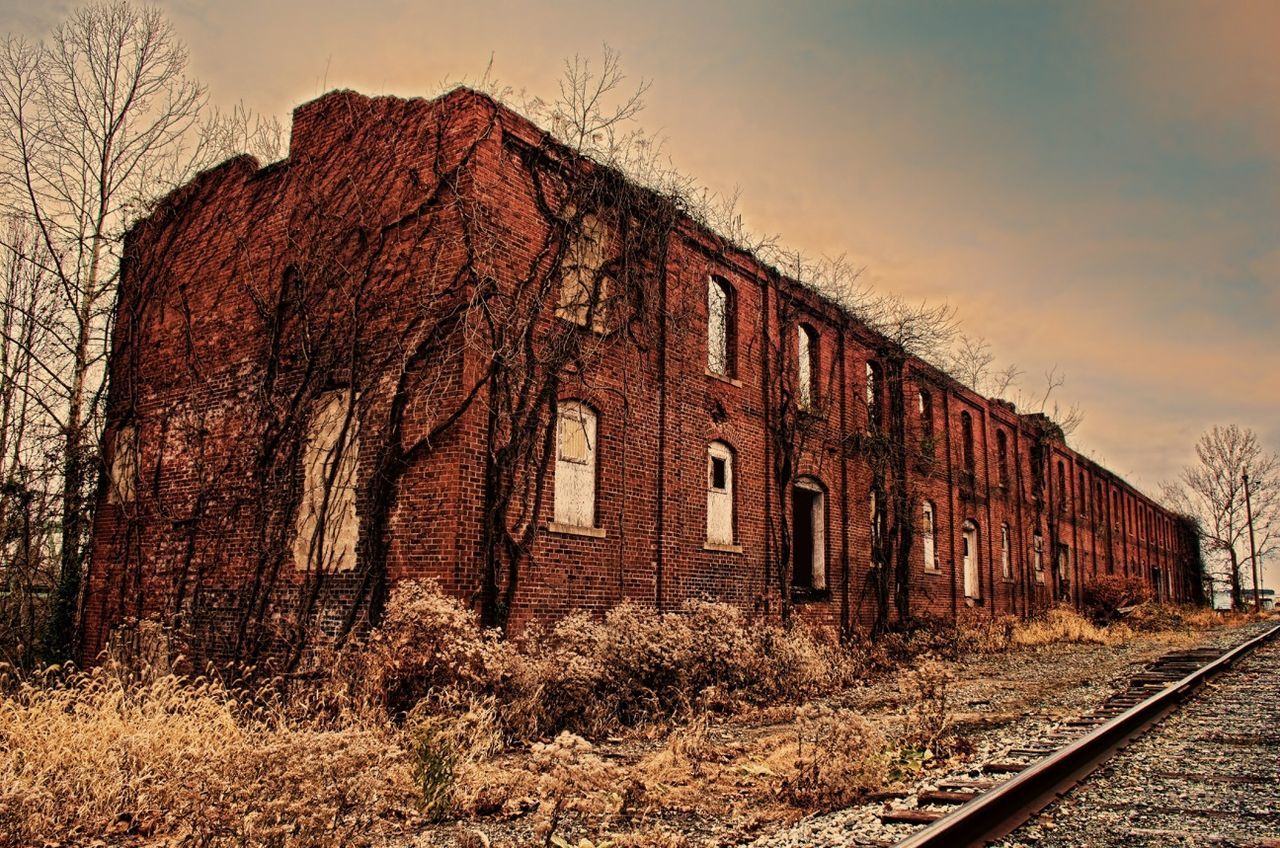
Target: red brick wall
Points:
(204, 278)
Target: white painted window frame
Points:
(577, 429)
(720, 502)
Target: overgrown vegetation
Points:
(587, 675)
(431, 720)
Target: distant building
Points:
(1222, 598)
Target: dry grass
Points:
(430, 720)
(836, 759)
(99, 754)
(1060, 625)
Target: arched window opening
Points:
(1038, 469)
(1002, 459)
(966, 442)
(1063, 575)
(879, 524)
(575, 481)
(927, 536)
(969, 557)
(719, 494)
(875, 390)
(722, 324)
(1062, 487)
(807, 366)
(927, 438)
(585, 289)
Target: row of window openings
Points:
(1150, 527)
(584, 286)
(585, 298)
(722, 346)
(575, 507)
(969, 550)
(327, 525)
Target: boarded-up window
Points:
(969, 554)
(719, 494)
(584, 288)
(327, 525)
(575, 497)
(124, 466)
(927, 537)
(1037, 554)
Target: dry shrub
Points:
(984, 634)
(589, 675)
(638, 665)
(834, 760)
(427, 642)
(926, 724)
(85, 755)
(925, 635)
(1154, 618)
(1106, 594)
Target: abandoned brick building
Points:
(432, 342)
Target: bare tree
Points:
(96, 122)
(971, 362)
(1211, 491)
(28, 517)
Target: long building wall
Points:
(211, 335)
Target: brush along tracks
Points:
(1007, 792)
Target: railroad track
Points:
(1010, 791)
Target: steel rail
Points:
(999, 811)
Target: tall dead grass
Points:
(88, 755)
(1062, 624)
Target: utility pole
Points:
(1253, 551)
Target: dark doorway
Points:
(803, 503)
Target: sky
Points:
(1094, 186)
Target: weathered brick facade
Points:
(253, 292)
